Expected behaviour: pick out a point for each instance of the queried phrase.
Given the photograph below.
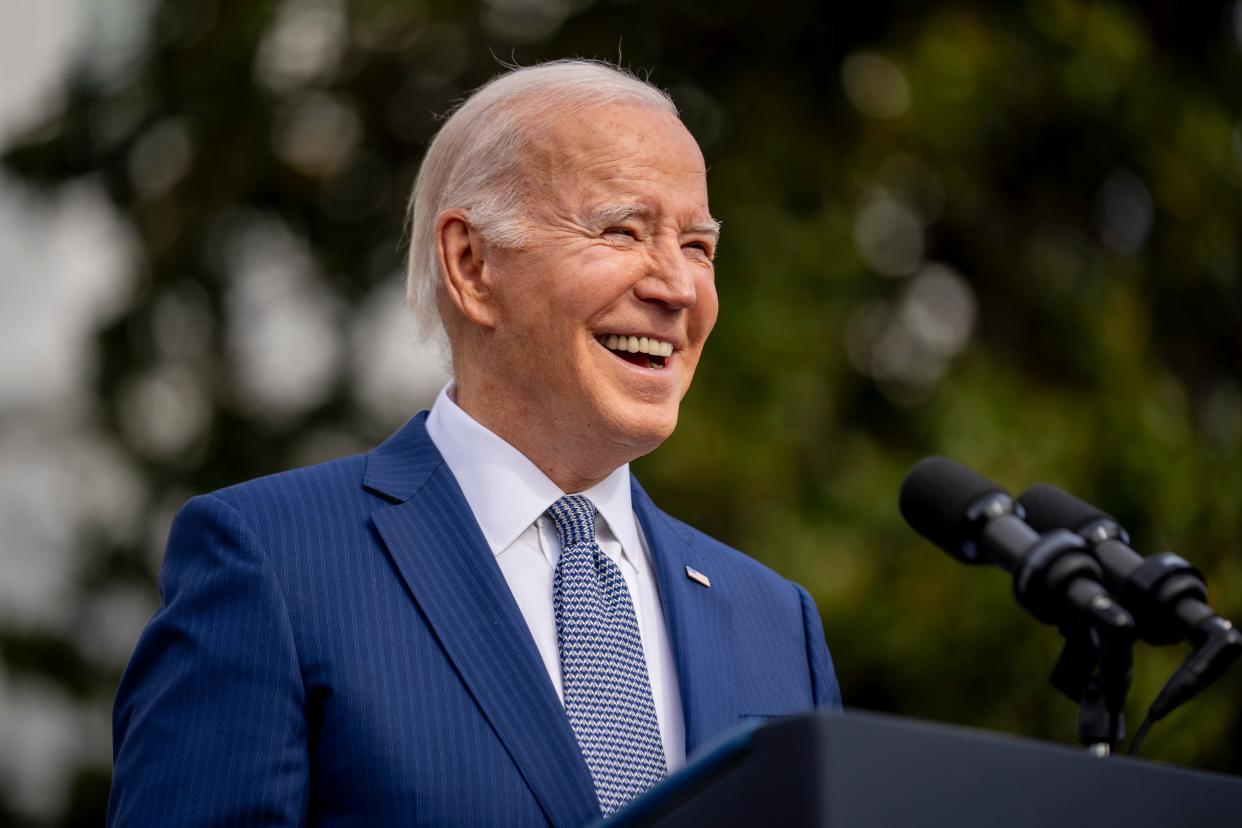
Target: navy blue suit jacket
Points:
(337, 645)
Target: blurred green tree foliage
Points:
(1002, 232)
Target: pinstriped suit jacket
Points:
(336, 645)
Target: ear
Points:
(466, 273)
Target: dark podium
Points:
(860, 769)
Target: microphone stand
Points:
(1095, 669)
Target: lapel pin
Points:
(698, 577)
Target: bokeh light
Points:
(875, 85)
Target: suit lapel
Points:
(441, 553)
(699, 623)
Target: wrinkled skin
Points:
(621, 242)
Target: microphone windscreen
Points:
(1048, 508)
(934, 498)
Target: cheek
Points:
(706, 309)
(590, 293)
(517, 292)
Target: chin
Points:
(644, 434)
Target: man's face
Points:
(620, 255)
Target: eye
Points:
(623, 232)
(701, 249)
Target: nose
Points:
(671, 279)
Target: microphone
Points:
(976, 521)
(1167, 596)
(1054, 577)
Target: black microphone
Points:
(976, 521)
(1165, 593)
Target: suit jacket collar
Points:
(699, 622)
(398, 467)
(451, 574)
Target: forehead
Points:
(624, 151)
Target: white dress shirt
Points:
(509, 497)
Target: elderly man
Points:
(484, 620)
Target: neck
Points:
(554, 452)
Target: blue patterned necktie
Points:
(607, 693)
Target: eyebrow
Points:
(706, 228)
(606, 214)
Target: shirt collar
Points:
(506, 491)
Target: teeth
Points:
(637, 345)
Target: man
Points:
(484, 620)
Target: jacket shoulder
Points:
(296, 505)
(305, 485)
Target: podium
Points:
(853, 769)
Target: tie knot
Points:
(574, 516)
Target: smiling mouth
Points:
(638, 350)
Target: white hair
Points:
(475, 161)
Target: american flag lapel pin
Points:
(698, 577)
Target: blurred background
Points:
(1005, 232)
